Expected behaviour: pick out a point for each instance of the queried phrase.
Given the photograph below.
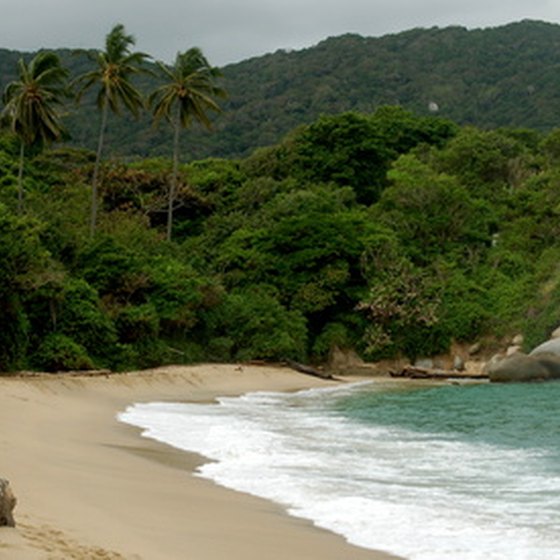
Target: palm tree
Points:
(31, 105)
(188, 95)
(115, 67)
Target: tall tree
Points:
(115, 67)
(32, 105)
(188, 94)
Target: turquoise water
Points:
(426, 472)
(519, 416)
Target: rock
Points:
(458, 363)
(516, 368)
(7, 504)
(522, 368)
(518, 340)
(474, 349)
(340, 359)
(548, 347)
(551, 362)
(555, 333)
(424, 363)
(495, 359)
(513, 350)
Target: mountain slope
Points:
(504, 76)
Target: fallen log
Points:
(415, 372)
(308, 370)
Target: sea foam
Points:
(419, 494)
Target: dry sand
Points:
(89, 487)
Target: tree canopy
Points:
(414, 240)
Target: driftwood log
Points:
(7, 504)
(308, 370)
(415, 372)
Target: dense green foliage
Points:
(390, 233)
(489, 78)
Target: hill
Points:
(498, 77)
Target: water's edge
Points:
(427, 494)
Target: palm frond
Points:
(30, 101)
(189, 90)
(115, 65)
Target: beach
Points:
(90, 487)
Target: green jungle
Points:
(308, 218)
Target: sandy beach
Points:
(90, 487)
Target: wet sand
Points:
(90, 487)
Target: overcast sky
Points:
(239, 29)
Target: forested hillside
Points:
(388, 232)
(506, 76)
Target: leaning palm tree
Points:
(31, 105)
(115, 67)
(187, 95)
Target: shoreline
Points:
(91, 487)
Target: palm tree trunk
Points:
(95, 182)
(20, 176)
(175, 174)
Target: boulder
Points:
(426, 363)
(555, 333)
(548, 347)
(7, 504)
(458, 363)
(474, 349)
(551, 362)
(513, 350)
(493, 361)
(346, 362)
(522, 368)
(517, 340)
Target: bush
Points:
(14, 328)
(58, 352)
(139, 323)
(83, 320)
(334, 334)
(255, 325)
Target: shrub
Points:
(58, 352)
(255, 325)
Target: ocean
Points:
(427, 472)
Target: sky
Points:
(239, 29)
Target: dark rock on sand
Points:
(7, 504)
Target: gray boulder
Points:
(522, 368)
(549, 347)
(513, 350)
(425, 363)
(7, 504)
(518, 340)
(551, 362)
(555, 333)
(458, 363)
(517, 368)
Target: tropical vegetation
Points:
(388, 232)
